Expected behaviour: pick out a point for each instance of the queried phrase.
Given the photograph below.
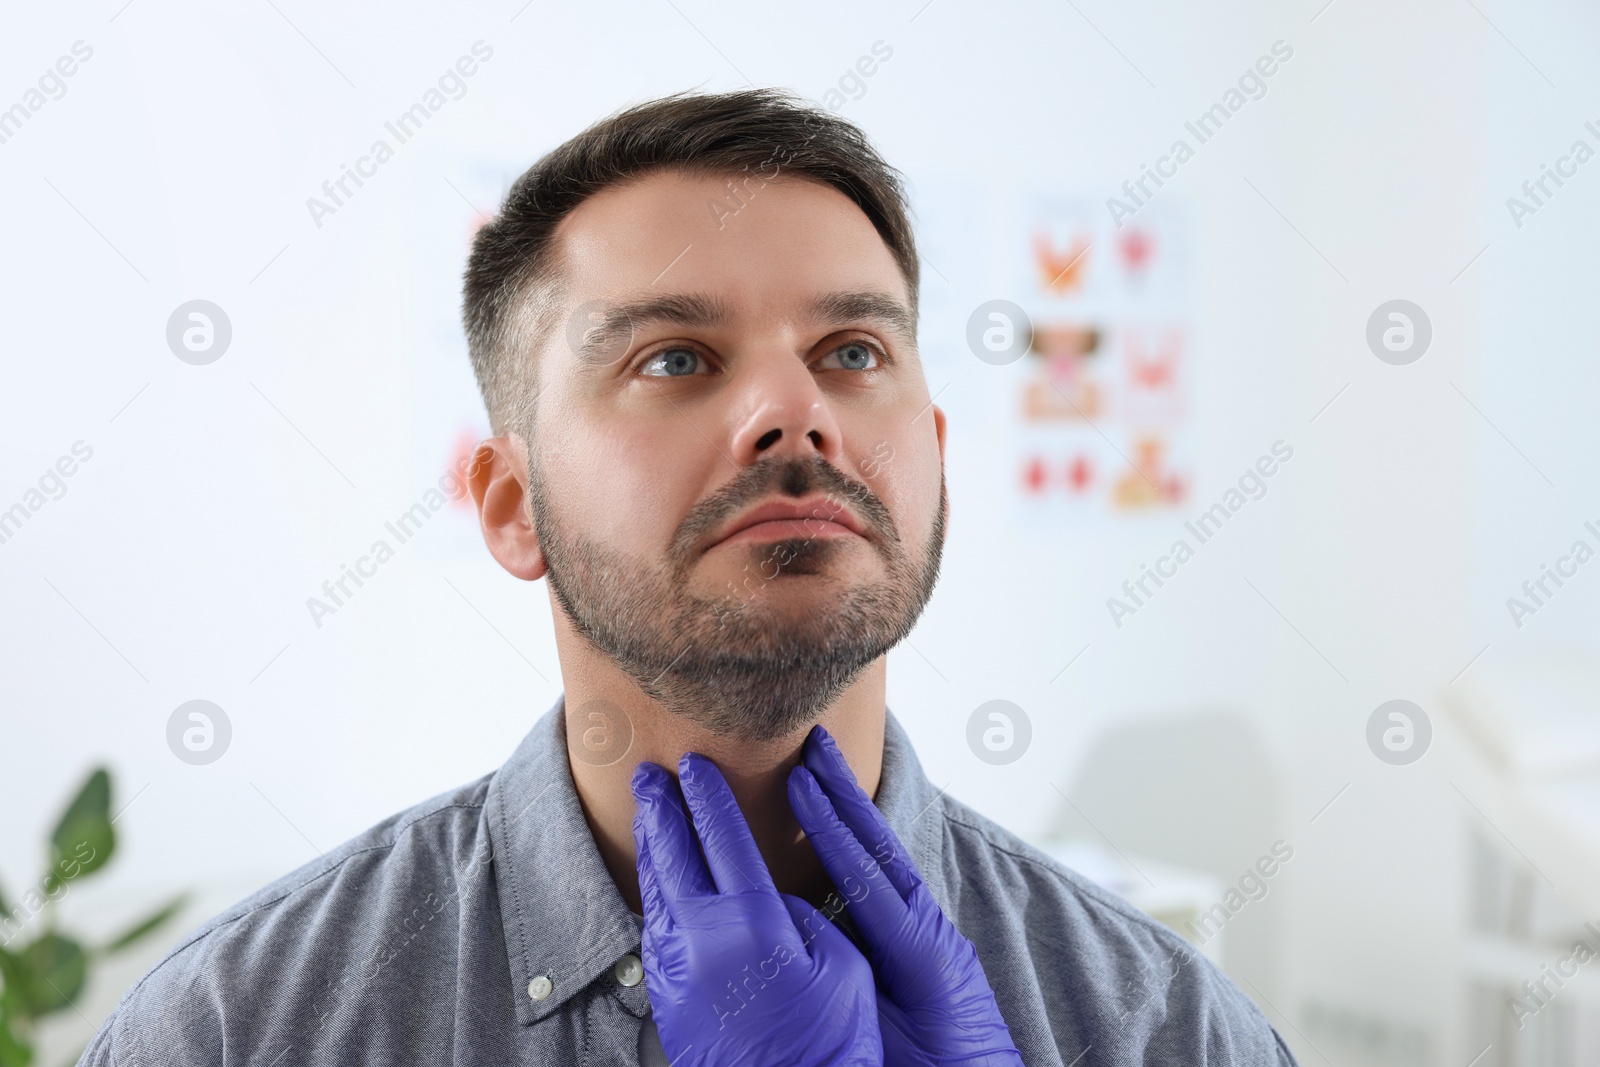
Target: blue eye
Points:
(855, 355)
(674, 363)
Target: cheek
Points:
(904, 473)
(629, 488)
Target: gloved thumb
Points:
(822, 938)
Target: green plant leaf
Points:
(145, 926)
(12, 1003)
(54, 969)
(15, 1049)
(83, 840)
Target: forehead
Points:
(758, 243)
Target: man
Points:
(694, 326)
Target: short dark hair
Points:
(512, 287)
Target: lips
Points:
(812, 517)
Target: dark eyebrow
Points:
(611, 330)
(870, 306)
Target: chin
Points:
(759, 566)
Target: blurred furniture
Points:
(1533, 856)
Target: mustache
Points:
(786, 477)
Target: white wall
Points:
(178, 563)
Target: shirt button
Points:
(540, 988)
(628, 970)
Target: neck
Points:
(758, 773)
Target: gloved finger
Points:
(821, 756)
(874, 902)
(661, 832)
(731, 852)
(656, 913)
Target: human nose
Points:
(786, 415)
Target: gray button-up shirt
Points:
(481, 927)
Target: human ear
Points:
(498, 479)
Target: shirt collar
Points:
(562, 915)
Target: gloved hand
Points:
(936, 1004)
(738, 974)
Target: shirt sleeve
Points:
(98, 1054)
(170, 1017)
(1285, 1057)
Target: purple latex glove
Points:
(935, 1001)
(738, 973)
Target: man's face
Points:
(721, 358)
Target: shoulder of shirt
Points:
(442, 830)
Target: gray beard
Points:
(742, 664)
